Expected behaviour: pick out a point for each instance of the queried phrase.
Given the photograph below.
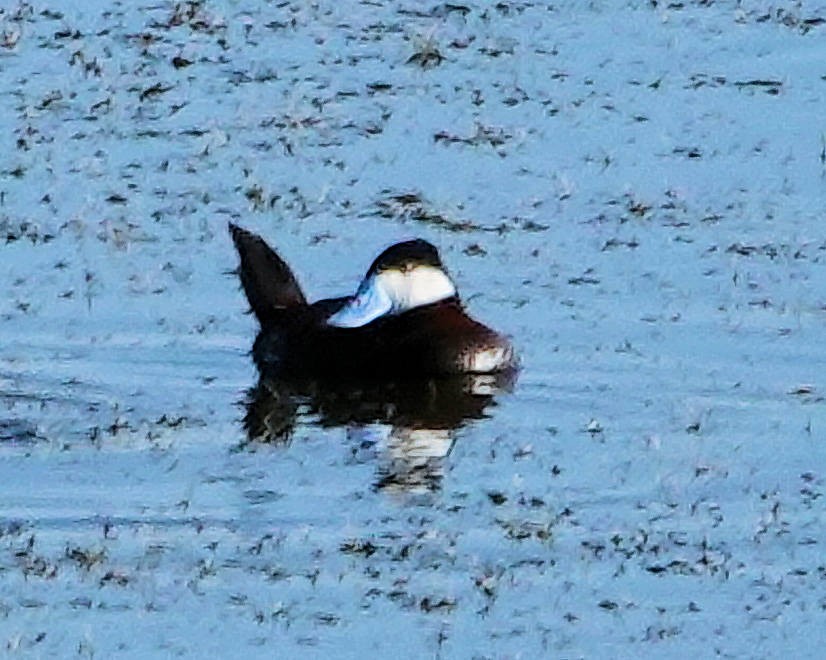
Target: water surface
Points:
(634, 193)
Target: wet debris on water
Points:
(802, 390)
(475, 250)
(12, 231)
(402, 476)
(586, 278)
(790, 18)
(180, 62)
(116, 578)
(497, 498)
(809, 493)
(529, 517)
(507, 47)
(85, 558)
(772, 522)
(525, 451)
(378, 87)
(18, 432)
(9, 37)
(268, 541)
(520, 530)
(33, 564)
(807, 394)
(699, 80)
(12, 21)
(17, 172)
(90, 67)
(437, 11)
(614, 243)
(81, 602)
(488, 582)
(692, 153)
(260, 200)
(594, 428)
(771, 87)
(262, 496)
(427, 53)
(693, 428)
(767, 250)
(116, 198)
(173, 422)
(482, 136)
(766, 85)
(426, 58)
(11, 528)
(192, 14)
(357, 547)
(663, 553)
(412, 206)
(637, 207)
(327, 618)
(154, 90)
(659, 633)
(429, 604)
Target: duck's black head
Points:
(405, 276)
(405, 256)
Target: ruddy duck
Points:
(404, 320)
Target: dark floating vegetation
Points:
(482, 136)
(412, 206)
(770, 86)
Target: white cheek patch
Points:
(393, 292)
(426, 285)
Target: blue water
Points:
(633, 193)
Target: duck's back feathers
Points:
(268, 282)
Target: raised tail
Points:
(268, 282)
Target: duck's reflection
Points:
(408, 427)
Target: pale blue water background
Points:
(634, 192)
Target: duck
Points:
(405, 319)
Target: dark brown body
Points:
(436, 339)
